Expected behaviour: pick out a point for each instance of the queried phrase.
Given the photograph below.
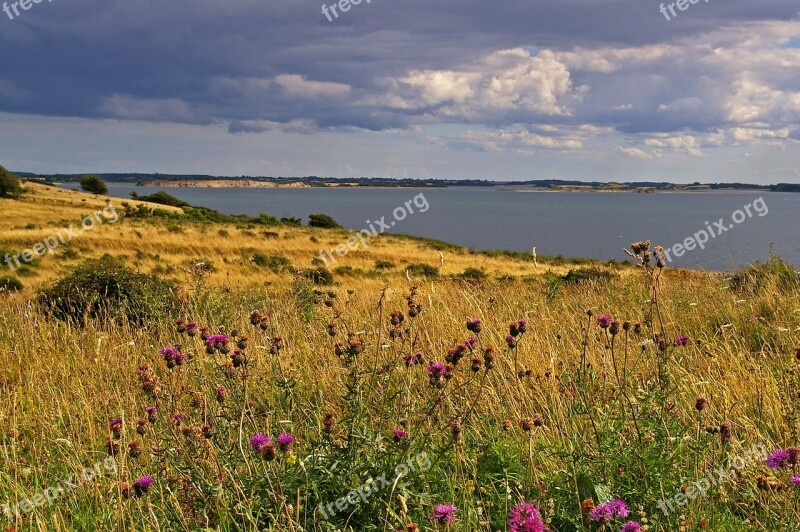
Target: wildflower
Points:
(396, 318)
(258, 441)
(778, 459)
(285, 441)
(115, 425)
(331, 329)
(511, 341)
(217, 342)
(608, 510)
(151, 414)
(513, 329)
(725, 432)
(191, 329)
(587, 505)
(474, 325)
(437, 372)
(700, 404)
(141, 427)
(172, 356)
(604, 321)
(795, 480)
(456, 429)
(681, 341)
(476, 364)
(178, 418)
(525, 517)
(238, 358)
(794, 455)
(222, 393)
(412, 360)
(444, 514)
(614, 328)
(469, 342)
(522, 326)
(142, 485)
(631, 526)
(328, 425)
(135, 449)
(488, 358)
(399, 435)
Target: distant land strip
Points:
(562, 185)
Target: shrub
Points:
(9, 184)
(775, 272)
(472, 274)
(273, 262)
(93, 184)
(10, 284)
(423, 270)
(162, 198)
(322, 220)
(582, 275)
(292, 221)
(384, 265)
(348, 270)
(319, 276)
(106, 289)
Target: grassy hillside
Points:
(384, 400)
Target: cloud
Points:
(299, 86)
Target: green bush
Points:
(10, 284)
(106, 289)
(273, 262)
(322, 220)
(93, 184)
(162, 198)
(759, 276)
(9, 184)
(384, 265)
(423, 270)
(472, 274)
(319, 276)
(582, 275)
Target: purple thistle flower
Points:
(216, 340)
(470, 342)
(258, 441)
(399, 434)
(285, 441)
(412, 360)
(604, 321)
(778, 459)
(525, 517)
(608, 510)
(795, 480)
(172, 356)
(437, 370)
(142, 485)
(444, 514)
(631, 526)
(681, 341)
(150, 410)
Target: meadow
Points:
(183, 370)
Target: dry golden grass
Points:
(628, 420)
(173, 247)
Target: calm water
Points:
(572, 224)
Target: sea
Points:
(737, 228)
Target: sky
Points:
(514, 90)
